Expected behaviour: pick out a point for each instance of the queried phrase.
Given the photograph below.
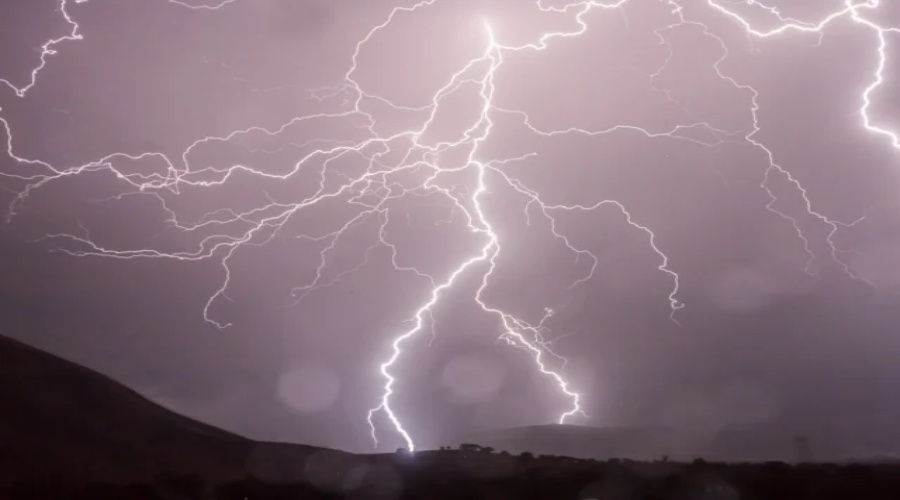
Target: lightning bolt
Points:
(425, 168)
(851, 9)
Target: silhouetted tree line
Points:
(530, 478)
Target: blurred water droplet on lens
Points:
(473, 378)
(309, 388)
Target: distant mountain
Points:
(736, 443)
(58, 418)
(636, 443)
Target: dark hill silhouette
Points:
(60, 419)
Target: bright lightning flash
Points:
(384, 181)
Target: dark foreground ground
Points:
(485, 475)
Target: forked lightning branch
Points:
(375, 191)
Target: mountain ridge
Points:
(63, 419)
(739, 442)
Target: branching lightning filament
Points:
(422, 171)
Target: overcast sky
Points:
(772, 329)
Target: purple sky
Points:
(776, 327)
